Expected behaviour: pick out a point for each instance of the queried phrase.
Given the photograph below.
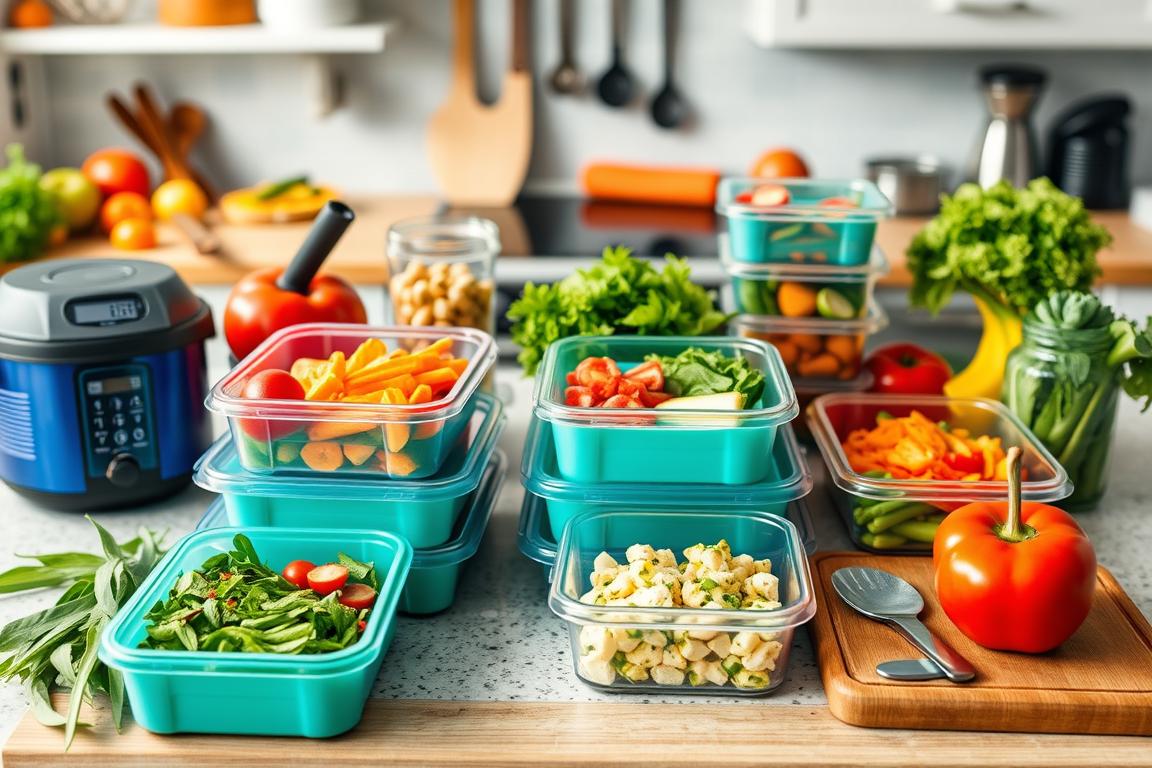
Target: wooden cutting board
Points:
(1099, 682)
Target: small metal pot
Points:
(912, 184)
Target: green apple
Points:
(77, 197)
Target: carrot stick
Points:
(679, 186)
(437, 377)
(421, 394)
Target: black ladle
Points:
(327, 228)
(669, 109)
(616, 86)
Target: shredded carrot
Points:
(915, 447)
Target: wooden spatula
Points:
(480, 153)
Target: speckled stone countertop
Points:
(499, 642)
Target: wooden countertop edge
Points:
(469, 733)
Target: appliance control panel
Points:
(117, 421)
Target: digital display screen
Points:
(99, 312)
(114, 386)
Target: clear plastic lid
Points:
(466, 536)
(777, 405)
(833, 417)
(802, 271)
(219, 470)
(613, 530)
(809, 388)
(875, 320)
(320, 340)
(789, 479)
(809, 199)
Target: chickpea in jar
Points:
(441, 294)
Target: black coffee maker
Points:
(1088, 151)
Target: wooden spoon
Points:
(156, 127)
(187, 123)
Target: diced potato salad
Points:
(709, 577)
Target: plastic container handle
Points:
(326, 231)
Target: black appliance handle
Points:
(327, 229)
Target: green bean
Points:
(908, 512)
(882, 540)
(883, 508)
(917, 530)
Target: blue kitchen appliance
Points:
(102, 376)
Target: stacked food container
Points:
(646, 485)
(802, 266)
(404, 481)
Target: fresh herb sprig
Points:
(233, 602)
(55, 649)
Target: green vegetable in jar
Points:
(1012, 247)
(28, 213)
(1065, 378)
(619, 294)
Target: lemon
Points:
(179, 196)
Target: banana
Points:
(984, 376)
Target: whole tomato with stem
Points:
(1013, 576)
(906, 369)
(117, 170)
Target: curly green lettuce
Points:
(28, 213)
(619, 294)
(1011, 246)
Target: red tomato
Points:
(326, 579)
(622, 401)
(117, 170)
(571, 378)
(839, 202)
(770, 195)
(296, 572)
(650, 375)
(358, 596)
(580, 397)
(271, 384)
(651, 399)
(596, 370)
(906, 369)
(629, 388)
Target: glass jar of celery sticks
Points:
(1059, 382)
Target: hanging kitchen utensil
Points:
(669, 108)
(187, 122)
(480, 152)
(617, 86)
(566, 78)
(184, 125)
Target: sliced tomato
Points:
(571, 378)
(965, 464)
(652, 399)
(593, 370)
(630, 388)
(770, 194)
(650, 374)
(744, 198)
(295, 573)
(838, 202)
(622, 401)
(580, 397)
(326, 579)
(606, 388)
(358, 596)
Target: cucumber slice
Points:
(834, 305)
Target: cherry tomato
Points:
(133, 235)
(271, 384)
(570, 377)
(122, 206)
(117, 170)
(580, 397)
(296, 572)
(907, 369)
(650, 375)
(358, 596)
(621, 401)
(596, 370)
(326, 579)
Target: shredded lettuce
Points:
(699, 372)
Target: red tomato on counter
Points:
(906, 369)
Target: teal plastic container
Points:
(370, 440)
(631, 445)
(788, 480)
(263, 694)
(422, 511)
(435, 571)
(613, 530)
(536, 542)
(824, 221)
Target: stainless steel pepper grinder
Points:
(1008, 149)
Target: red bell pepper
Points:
(1012, 576)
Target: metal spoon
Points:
(881, 596)
(566, 78)
(669, 109)
(616, 86)
(910, 669)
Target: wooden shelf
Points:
(155, 39)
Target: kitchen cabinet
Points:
(955, 24)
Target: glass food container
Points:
(1059, 384)
(441, 271)
(372, 439)
(813, 348)
(823, 221)
(682, 445)
(875, 508)
(726, 651)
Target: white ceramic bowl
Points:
(297, 15)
